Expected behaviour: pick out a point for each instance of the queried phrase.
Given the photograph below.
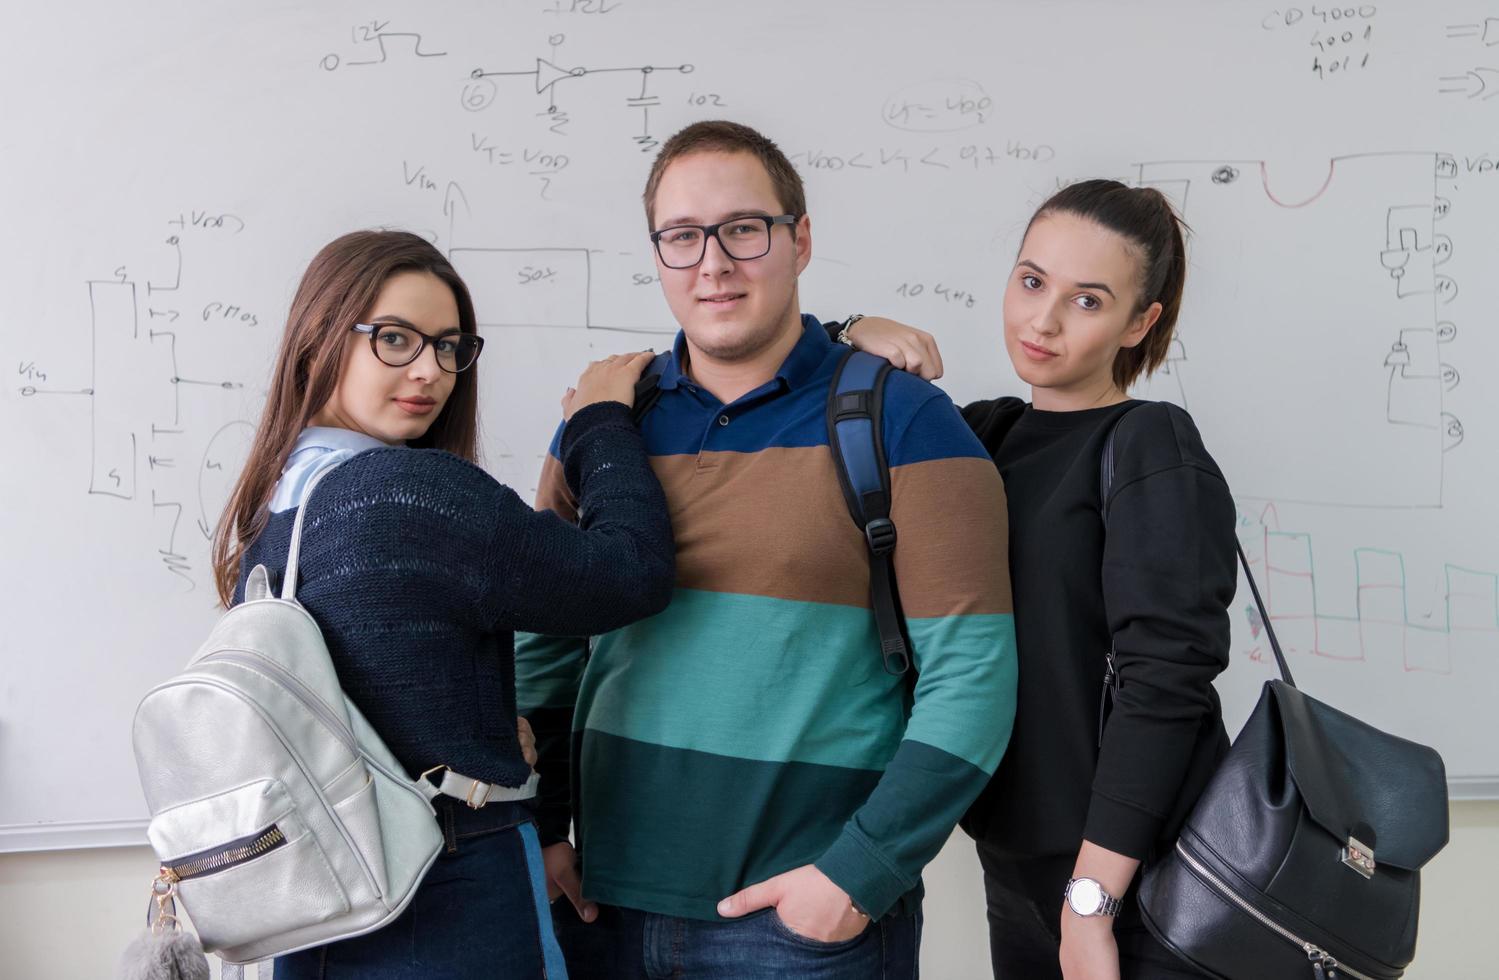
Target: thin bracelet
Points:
(843, 337)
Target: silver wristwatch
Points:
(1086, 897)
(843, 337)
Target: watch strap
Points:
(1108, 904)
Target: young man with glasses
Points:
(750, 798)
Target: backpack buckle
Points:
(853, 405)
(474, 788)
(435, 784)
(1359, 856)
(880, 533)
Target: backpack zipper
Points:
(223, 857)
(255, 661)
(235, 692)
(1324, 965)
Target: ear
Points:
(1141, 326)
(803, 242)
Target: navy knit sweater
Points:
(419, 567)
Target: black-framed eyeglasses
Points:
(398, 345)
(743, 238)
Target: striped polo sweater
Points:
(751, 728)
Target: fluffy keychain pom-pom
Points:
(166, 954)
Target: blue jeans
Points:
(626, 944)
(480, 912)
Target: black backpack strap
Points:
(1106, 469)
(1105, 485)
(855, 399)
(648, 388)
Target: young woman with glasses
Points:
(1127, 591)
(418, 566)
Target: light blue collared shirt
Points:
(318, 448)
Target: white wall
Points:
(66, 915)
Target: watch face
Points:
(1085, 896)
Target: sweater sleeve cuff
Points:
(854, 864)
(1121, 828)
(552, 827)
(588, 419)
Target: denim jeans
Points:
(1024, 900)
(626, 944)
(480, 912)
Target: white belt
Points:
(475, 792)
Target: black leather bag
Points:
(1302, 857)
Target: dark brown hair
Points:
(722, 136)
(1144, 217)
(337, 290)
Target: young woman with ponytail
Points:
(1134, 587)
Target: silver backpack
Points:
(281, 819)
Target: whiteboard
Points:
(169, 169)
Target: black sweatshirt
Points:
(1157, 586)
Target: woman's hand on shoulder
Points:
(904, 346)
(611, 380)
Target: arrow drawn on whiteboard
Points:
(450, 206)
(449, 200)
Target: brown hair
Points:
(722, 136)
(1143, 216)
(339, 287)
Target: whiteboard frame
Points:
(89, 834)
